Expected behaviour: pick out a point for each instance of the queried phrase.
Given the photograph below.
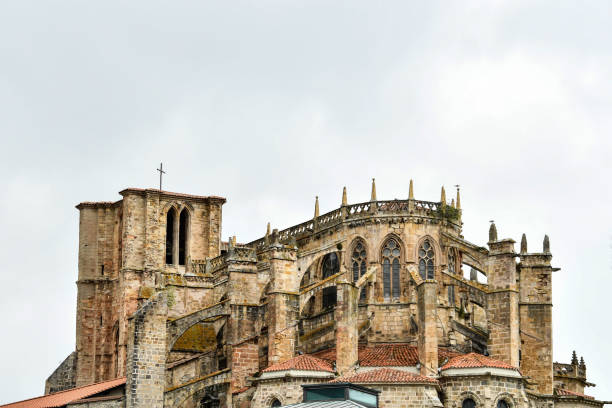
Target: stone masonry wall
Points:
(146, 363)
(485, 390)
(64, 376)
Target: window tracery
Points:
(452, 262)
(359, 265)
(426, 260)
(391, 269)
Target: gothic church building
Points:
(385, 294)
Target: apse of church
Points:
(381, 293)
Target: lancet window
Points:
(177, 237)
(359, 264)
(391, 269)
(452, 261)
(426, 260)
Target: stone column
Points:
(346, 327)
(427, 303)
(502, 303)
(146, 356)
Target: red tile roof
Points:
(567, 393)
(385, 375)
(61, 398)
(475, 360)
(386, 355)
(304, 363)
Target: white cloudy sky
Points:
(270, 103)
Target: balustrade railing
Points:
(353, 211)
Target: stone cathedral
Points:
(384, 294)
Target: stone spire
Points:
(574, 358)
(373, 196)
(344, 200)
(546, 245)
(411, 191)
(582, 364)
(458, 202)
(443, 196)
(316, 214)
(492, 233)
(267, 237)
(453, 202)
(524, 244)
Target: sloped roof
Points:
(61, 398)
(475, 360)
(387, 355)
(561, 392)
(385, 375)
(304, 362)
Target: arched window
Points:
(182, 244)
(391, 269)
(170, 217)
(358, 264)
(502, 404)
(426, 260)
(452, 263)
(468, 403)
(275, 403)
(330, 266)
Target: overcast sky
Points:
(270, 103)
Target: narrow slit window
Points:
(183, 227)
(170, 236)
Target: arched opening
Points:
(329, 297)
(426, 260)
(468, 403)
(182, 244)
(170, 218)
(391, 269)
(330, 265)
(502, 404)
(275, 403)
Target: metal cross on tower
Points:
(161, 173)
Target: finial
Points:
(344, 200)
(453, 202)
(267, 237)
(492, 232)
(411, 191)
(574, 358)
(316, 215)
(234, 239)
(582, 364)
(546, 245)
(458, 202)
(373, 196)
(524, 244)
(443, 196)
(268, 229)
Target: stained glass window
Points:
(359, 264)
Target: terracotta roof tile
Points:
(304, 362)
(475, 360)
(386, 355)
(567, 393)
(62, 398)
(385, 375)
